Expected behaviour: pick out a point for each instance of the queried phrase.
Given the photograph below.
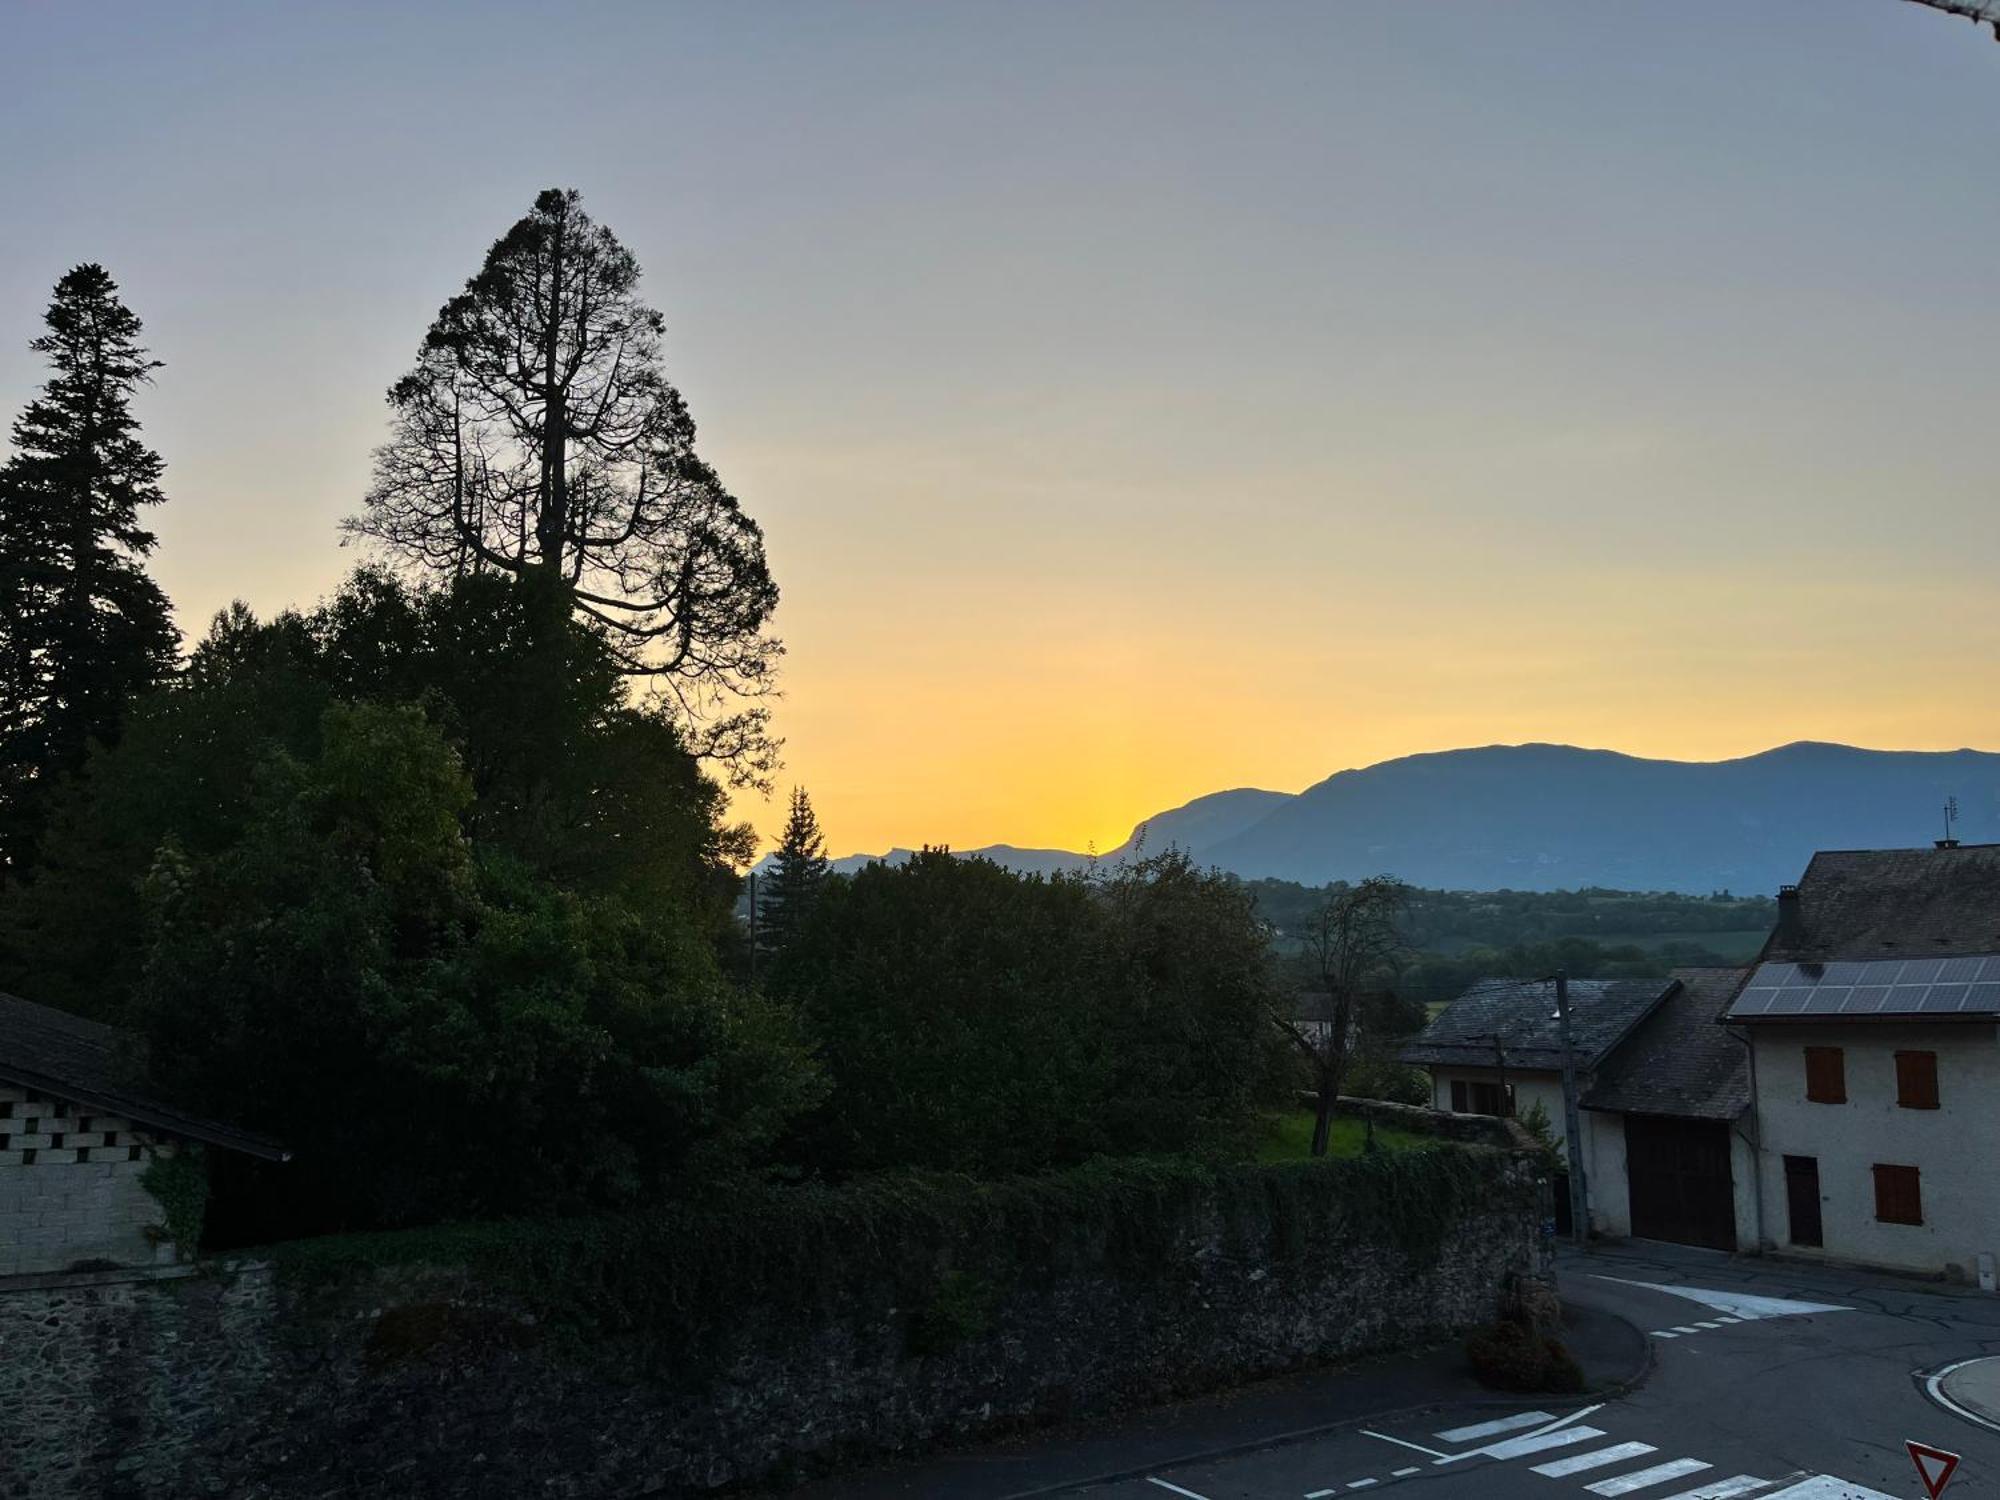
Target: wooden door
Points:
(1680, 1181)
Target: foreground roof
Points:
(86, 1062)
(1891, 903)
(1521, 1014)
(1679, 1060)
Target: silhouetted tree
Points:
(787, 894)
(1981, 12)
(82, 627)
(538, 434)
(1353, 945)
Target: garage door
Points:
(1679, 1176)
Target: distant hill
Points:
(1555, 817)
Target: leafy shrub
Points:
(1510, 1356)
(1391, 1081)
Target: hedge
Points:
(945, 1247)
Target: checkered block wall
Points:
(69, 1187)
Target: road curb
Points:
(1932, 1384)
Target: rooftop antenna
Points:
(1950, 817)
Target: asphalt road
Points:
(1775, 1380)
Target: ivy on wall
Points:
(944, 1251)
(179, 1184)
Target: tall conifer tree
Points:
(82, 626)
(797, 876)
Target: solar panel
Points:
(1874, 987)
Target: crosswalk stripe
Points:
(1725, 1489)
(1493, 1428)
(1535, 1442)
(1624, 1484)
(1616, 1453)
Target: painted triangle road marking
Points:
(1934, 1466)
(1743, 1306)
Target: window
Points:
(1899, 1197)
(1916, 1080)
(1826, 1075)
(1475, 1098)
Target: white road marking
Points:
(1725, 1318)
(1403, 1443)
(1320, 1494)
(1191, 1495)
(1725, 1489)
(1616, 1453)
(1554, 1422)
(1360, 1484)
(1665, 1333)
(1708, 1325)
(1493, 1428)
(1741, 1305)
(1827, 1487)
(1685, 1328)
(1404, 1473)
(1624, 1484)
(1535, 1442)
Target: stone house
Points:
(1663, 1094)
(77, 1137)
(1873, 1024)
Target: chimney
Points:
(1788, 930)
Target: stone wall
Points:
(425, 1380)
(70, 1187)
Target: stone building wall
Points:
(384, 1383)
(70, 1188)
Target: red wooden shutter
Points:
(1826, 1075)
(1916, 1080)
(1899, 1197)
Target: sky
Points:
(1139, 399)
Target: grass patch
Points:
(1288, 1137)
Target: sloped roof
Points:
(1680, 1060)
(1521, 1012)
(1892, 903)
(86, 1062)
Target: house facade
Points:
(1663, 1094)
(78, 1141)
(1497, 1050)
(1873, 1027)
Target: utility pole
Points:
(1579, 1200)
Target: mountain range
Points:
(1557, 817)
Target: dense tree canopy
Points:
(82, 626)
(973, 1019)
(434, 1030)
(537, 433)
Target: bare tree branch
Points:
(1980, 12)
